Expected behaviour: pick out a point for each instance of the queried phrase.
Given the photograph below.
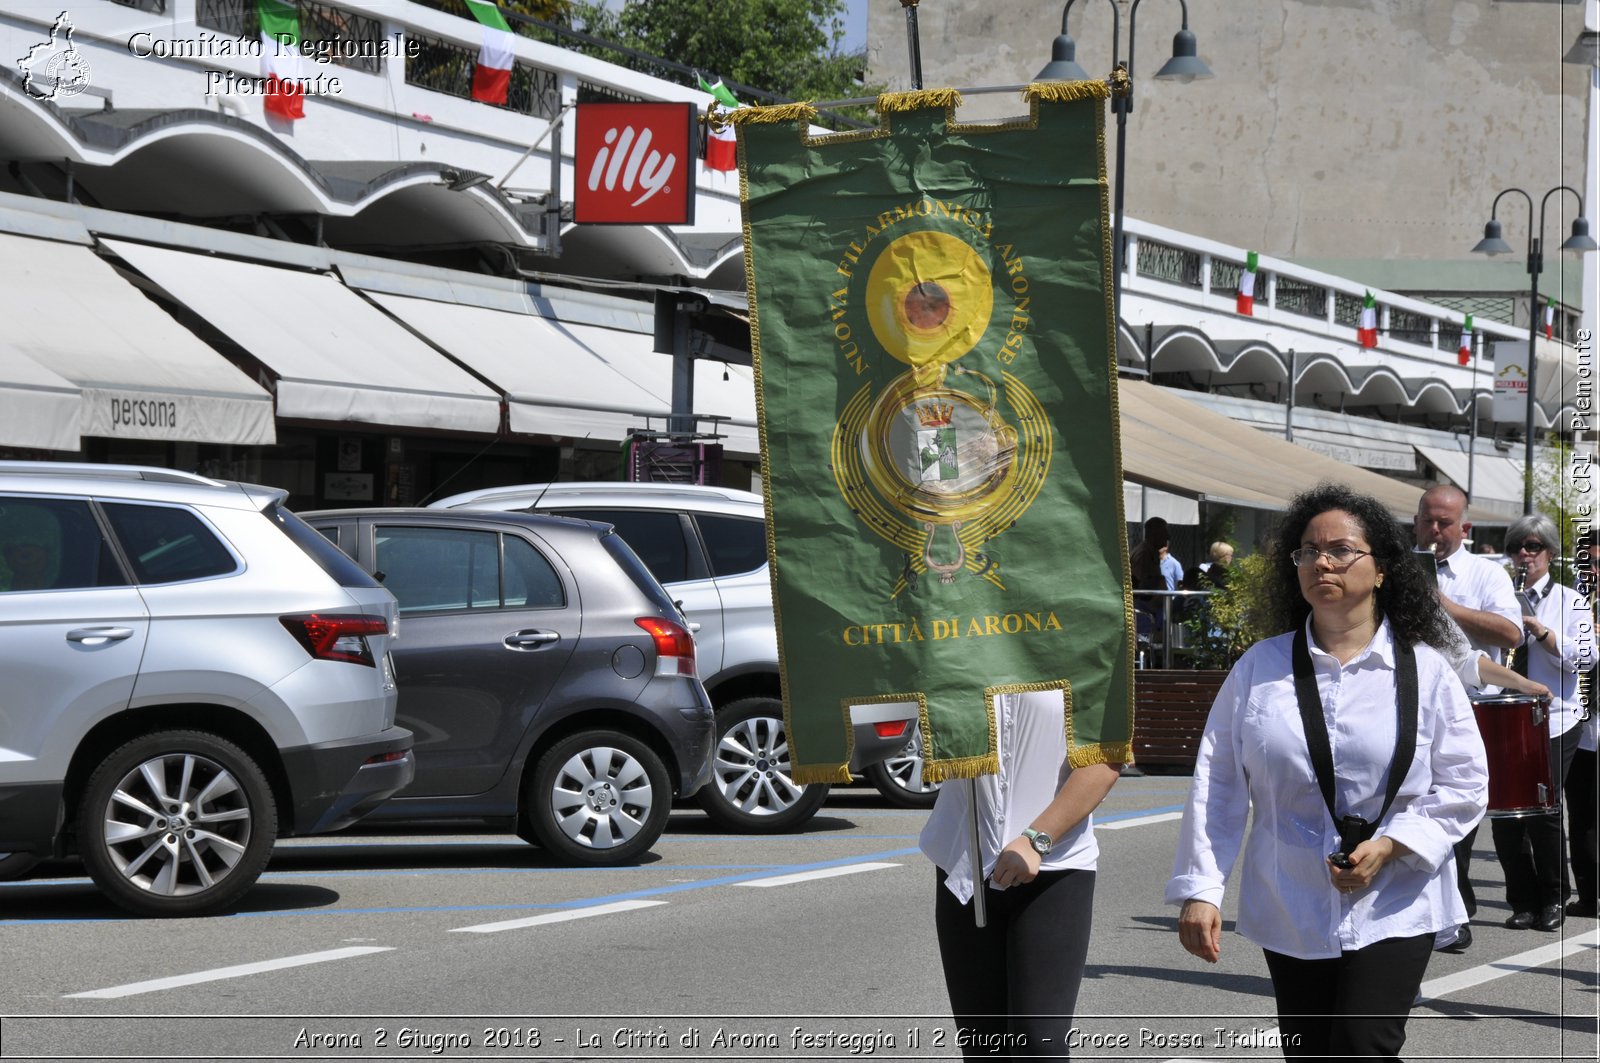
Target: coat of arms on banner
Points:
(936, 385)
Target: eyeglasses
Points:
(1340, 555)
(1532, 546)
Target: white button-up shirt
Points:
(1476, 582)
(1558, 665)
(1031, 740)
(1253, 758)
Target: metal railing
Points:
(1175, 265)
(442, 66)
(1159, 624)
(321, 27)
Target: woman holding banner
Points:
(1013, 983)
(1348, 745)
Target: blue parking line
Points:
(759, 872)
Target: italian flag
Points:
(1246, 303)
(1549, 319)
(722, 146)
(1367, 331)
(491, 75)
(280, 59)
(1464, 355)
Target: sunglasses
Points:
(1532, 546)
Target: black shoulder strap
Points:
(1316, 728)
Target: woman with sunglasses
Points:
(1558, 647)
(1348, 747)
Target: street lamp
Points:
(1184, 66)
(1493, 243)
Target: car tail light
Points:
(674, 645)
(336, 636)
(891, 728)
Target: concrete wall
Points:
(1355, 128)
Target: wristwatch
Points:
(1040, 840)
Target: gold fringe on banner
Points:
(1110, 753)
(965, 768)
(821, 774)
(1066, 91)
(774, 115)
(896, 102)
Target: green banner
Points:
(935, 377)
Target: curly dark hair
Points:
(1406, 598)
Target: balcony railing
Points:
(359, 38)
(1175, 265)
(441, 66)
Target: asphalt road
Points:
(816, 945)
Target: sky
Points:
(855, 24)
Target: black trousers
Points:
(1013, 984)
(1353, 1006)
(1463, 851)
(1582, 797)
(1529, 847)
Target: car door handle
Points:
(694, 626)
(97, 636)
(531, 640)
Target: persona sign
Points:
(635, 164)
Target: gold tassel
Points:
(897, 102)
(963, 768)
(820, 773)
(1110, 753)
(774, 115)
(1066, 91)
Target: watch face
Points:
(1041, 842)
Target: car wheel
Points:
(899, 778)
(599, 798)
(751, 789)
(177, 823)
(15, 865)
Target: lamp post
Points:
(1493, 243)
(1185, 65)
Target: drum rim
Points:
(1509, 699)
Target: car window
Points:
(531, 581)
(433, 570)
(53, 544)
(323, 546)
(655, 535)
(735, 544)
(167, 544)
(629, 562)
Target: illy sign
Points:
(635, 164)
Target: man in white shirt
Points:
(1479, 597)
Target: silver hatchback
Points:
(190, 672)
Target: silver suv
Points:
(190, 672)
(708, 547)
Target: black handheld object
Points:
(1340, 860)
(1428, 563)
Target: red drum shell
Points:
(1516, 736)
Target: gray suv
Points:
(190, 673)
(708, 547)
(549, 679)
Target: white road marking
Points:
(221, 973)
(1522, 961)
(808, 876)
(1138, 821)
(563, 916)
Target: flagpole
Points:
(980, 903)
(1472, 415)
(915, 46)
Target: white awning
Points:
(1140, 503)
(337, 357)
(38, 408)
(729, 404)
(1496, 481)
(554, 385)
(140, 374)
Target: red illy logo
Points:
(634, 162)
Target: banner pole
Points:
(980, 903)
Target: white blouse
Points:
(1559, 662)
(1031, 740)
(1254, 768)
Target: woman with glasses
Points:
(1557, 647)
(1348, 747)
